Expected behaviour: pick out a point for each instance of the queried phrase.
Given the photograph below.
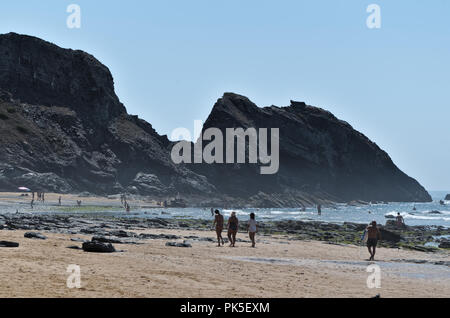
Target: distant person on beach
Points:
(212, 211)
(79, 202)
(128, 208)
(43, 197)
(218, 224)
(373, 234)
(59, 201)
(233, 226)
(32, 203)
(400, 220)
(252, 228)
(319, 209)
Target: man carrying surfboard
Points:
(373, 235)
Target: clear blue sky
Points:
(172, 59)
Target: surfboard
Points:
(364, 237)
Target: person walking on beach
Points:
(233, 226)
(252, 228)
(59, 201)
(373, 234)
(319, 209)
(218, 223)
(32, 203)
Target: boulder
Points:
(447, 197)
(389, 236)
(392, 224)
(444, 244)
(175, 244)
(98, 247)
(34, 235)
(8, 244)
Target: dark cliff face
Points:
(318, 154)
(63, 129)
(40, 73)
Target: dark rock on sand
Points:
(159, 236)
(447, 197)
(63, 129)
(389, 236)
(444, 244)
(98, 247)
(8, 244)
(175, 244)
(33, 235)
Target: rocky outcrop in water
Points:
(320, 156)
(63, 129)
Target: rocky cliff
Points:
(319, 155)
(63, 129)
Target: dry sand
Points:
(38, 269)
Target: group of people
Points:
(233, 228)
(40, 197)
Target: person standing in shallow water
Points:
(373, 234)
(252, 228)
(233, 226)
(218, 223)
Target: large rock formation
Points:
(63, 129)
(319, 154)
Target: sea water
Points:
(431, 213)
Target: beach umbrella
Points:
(24, 189)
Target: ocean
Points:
(432, 213)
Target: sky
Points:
(172, 59)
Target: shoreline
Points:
(292, 259)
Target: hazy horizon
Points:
(172, 60)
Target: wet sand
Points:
(276, 268)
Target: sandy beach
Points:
(276, 268)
